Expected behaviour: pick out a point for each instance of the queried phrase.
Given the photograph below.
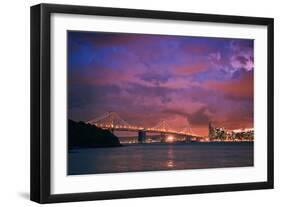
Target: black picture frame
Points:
(41, 95)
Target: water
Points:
(153, 157)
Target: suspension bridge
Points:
(113, 122)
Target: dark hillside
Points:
(85, 135)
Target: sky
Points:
(186, 81)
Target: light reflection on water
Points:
(170, 162)
(151, 157)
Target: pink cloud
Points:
(192, 69)
(241, 88)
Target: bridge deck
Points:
(151, 130)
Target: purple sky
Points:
(187, 81)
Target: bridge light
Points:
(170, 139)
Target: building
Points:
(245, 134)
(217, 133)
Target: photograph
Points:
(133, 103)
(157, 102)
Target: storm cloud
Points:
(147, 78)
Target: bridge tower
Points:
(187, 130)
(162, 137)
(109, 121)
(142, 136)
(162, 126)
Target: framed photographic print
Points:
(133, 103)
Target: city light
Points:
(170, 139)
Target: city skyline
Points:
(146, 78)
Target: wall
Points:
(14, 110)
